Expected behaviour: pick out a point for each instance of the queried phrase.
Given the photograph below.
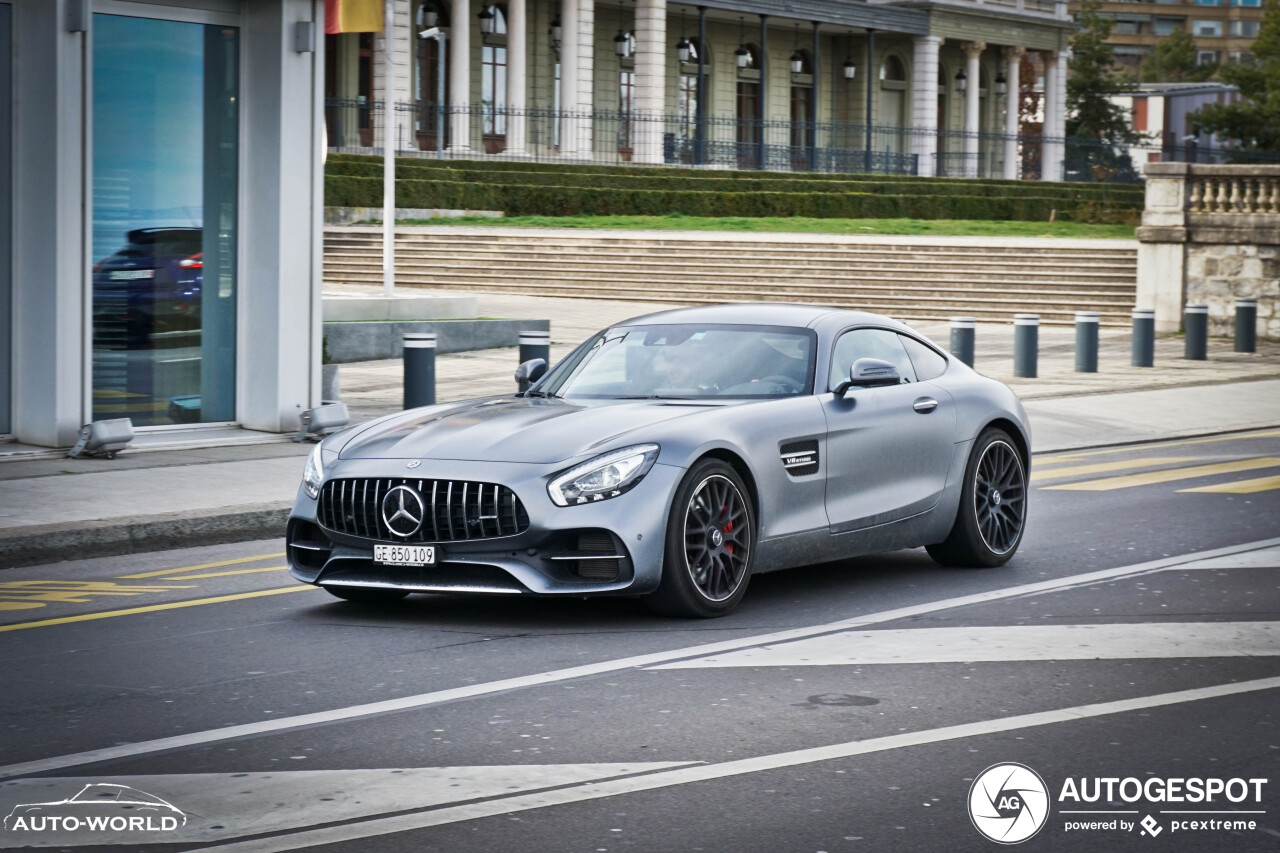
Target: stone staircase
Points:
(912, 278)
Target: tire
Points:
(710, 546)
(366, 594)
(992, 515)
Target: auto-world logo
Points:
(99, 807)
(1008, 803)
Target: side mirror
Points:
(869, 373)
(530, 372)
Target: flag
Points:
(353, 16)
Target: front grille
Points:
(455, 510)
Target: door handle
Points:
(925, 405)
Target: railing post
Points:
(1087, 341)
(1246, 325)
(419, 369)
(1195, 325)
(1144, 337)
(1026, 344)
(963, 332)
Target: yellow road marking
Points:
(1240, 487)
(174, 605)
(1240, 436)
(1168, 476)
(1103, 467)
(76, 592)
(226, 574)
(197, 568)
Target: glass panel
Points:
(165, 176)
(6, 214)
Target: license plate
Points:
(404, 555)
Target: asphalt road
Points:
(849, 706)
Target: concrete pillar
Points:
(517, 51)
(1055, 91)
(569, 78)
(651, 75)
(587, 75)
(460, 77)
(973, 71)
(924, 104)
(1162, 239)
(1013, 58)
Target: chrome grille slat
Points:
(477, 511)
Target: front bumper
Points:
(608, 547)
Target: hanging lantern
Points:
(620, 46)
(849, 69)
(684, 49)
(797, 62)
(557, 32)
(1002, 86)
(430, 18)
(487, 20)
(743, 56)
(962, 81)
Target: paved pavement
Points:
(53, 508)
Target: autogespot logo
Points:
(1008, 803)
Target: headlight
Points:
(604, 477)
(313, 473)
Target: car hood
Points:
(517, 429)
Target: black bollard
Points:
(1026, 344)
(535, 345)
(1247, 325)
(419, 369)
(1195, 325)
(1144, 337)
(963, 331)
(1087, 341)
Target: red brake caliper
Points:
(728, 528)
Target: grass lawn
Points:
(926, 227)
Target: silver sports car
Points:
(671, 457)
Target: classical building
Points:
(1223, 30)
(920, 87)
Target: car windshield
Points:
(687, 362)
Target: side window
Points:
(868, 343)
(927, 362)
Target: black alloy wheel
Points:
(992, 515)
(710, 544)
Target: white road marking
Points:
(423, 700)
(1263, 558)
(706, 772)
(1011, 643)
(222, 806)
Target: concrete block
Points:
(375, 340)
(342, 307)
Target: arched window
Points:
(493, 83)
(801, 109)
(893, 69)
(750, 121)
(430, 86)
(687, 91)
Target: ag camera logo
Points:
(1008, 803)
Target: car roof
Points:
(759, 314)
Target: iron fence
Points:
(728, 142)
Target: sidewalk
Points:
(53, 508)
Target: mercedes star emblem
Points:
(403, 511)
(414, 464)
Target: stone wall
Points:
(1211, 233)
(1219, 274)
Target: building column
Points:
(517, 41)
(973, 72)
(1013, 59)
(651, 76)
(399, 91)
(586, 98)
(569, 78)
(1055, 114)
(460, 77)
(924, 104)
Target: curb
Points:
(109, 537)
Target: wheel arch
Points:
(1015, 432)
(743, 470)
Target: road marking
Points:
(223, 806)
(152, 608)
(1103, 467)
(1011, 643)
(228, 574)
(423, 700)
(1240, 487)
(727, 769)
(1168, 476)
(1213, 439)
(30, 594)
(199, 567)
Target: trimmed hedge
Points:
(531, 200)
